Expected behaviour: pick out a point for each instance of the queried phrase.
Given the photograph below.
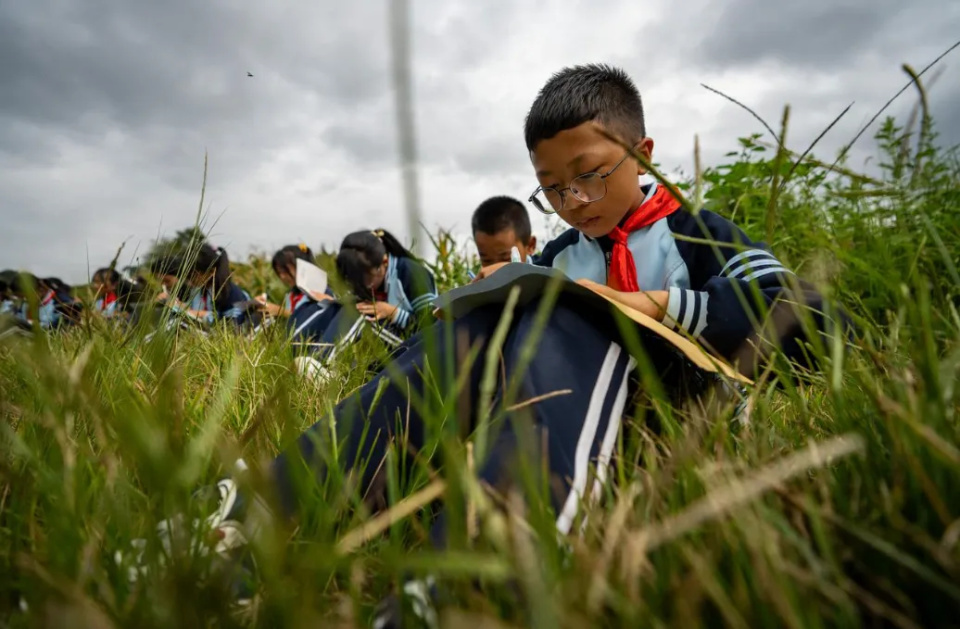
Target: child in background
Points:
(104, 283)
(66, 304)
(500, 225)
(389, 284)
(7, 303)
(285, 266)
(47, 315)
(215, 297)
(167, 271)
(114, 294)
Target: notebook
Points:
(533, 282)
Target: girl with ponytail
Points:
(285, 266)
(215, 297)
(389, 284)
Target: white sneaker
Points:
(233, 523)
(312, 369)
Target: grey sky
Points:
(107, 106)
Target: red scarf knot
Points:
(623, 269)
(295, 297)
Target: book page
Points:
(311, 278)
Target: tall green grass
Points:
(836, 504)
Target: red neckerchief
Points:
(623, 269)
(48, 298)
(108, 299)
(295, 297)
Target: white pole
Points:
(403, 94)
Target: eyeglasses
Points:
(588, 187)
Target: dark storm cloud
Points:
(834, 52)
(946, 112)
(176, 67)
(822, 33)
(107, 107)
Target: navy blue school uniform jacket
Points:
(231, 310)
(411, 288)
(717, 292)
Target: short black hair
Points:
(580, 94)
(499, 213)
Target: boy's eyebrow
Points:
(572, 163)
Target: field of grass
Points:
(837, 504)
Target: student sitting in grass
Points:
(500, 226)
(284, 264)
(54, 301)
(167, 270)
(308, 315)
(7, 303)
(67, 305)
(214, 297)
(114, 295)
(390, 285)
(393, 294)
(717, 286)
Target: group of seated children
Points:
(392, 292)
(629, 240)
(56, 306)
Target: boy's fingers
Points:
(487, 271)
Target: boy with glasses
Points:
(631, 242)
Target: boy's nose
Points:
(573, 206)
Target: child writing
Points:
(390, 285)
(214, 295)
(114, 294)
(167, 271)
(285, 266)
(500, 226)
(621, 243)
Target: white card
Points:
(310, 278)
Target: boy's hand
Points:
(487, 271)
(380, 310)
(651, 303)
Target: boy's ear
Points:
(532, 245)
(644, 149)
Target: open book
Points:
(533, 281)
